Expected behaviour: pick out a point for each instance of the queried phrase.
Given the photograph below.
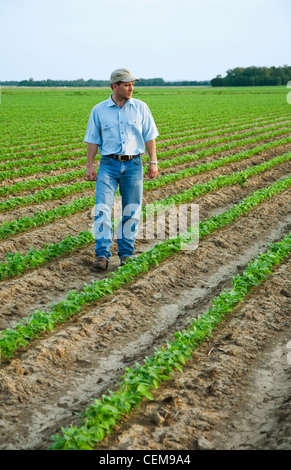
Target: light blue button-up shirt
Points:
(121, 130)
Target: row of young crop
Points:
(222, 124)
(182, 159)
(25, 223)
(17, 263)
(60, 192)
(47, 156)
(18, 158)
(27, 329)
(232, 141)
(46, 181)
(50, 180)
(227, 126)
(211, 116)
(100, 417)
(41, 128)
(48, 133)
(10, 146)
(49, 138)
(37, 168)
(47, 150)
(32, 134)
(229, 133)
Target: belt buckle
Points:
(121, 158)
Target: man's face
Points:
(124, 90)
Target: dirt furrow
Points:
(38, 288)
(235, 392)
(239, 135)
(72, 225)
(186, 183)
(59, 374)
(78, 167)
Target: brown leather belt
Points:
(122, 158)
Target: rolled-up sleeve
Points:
(93, 133)
(149, 131)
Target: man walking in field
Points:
(120, 127)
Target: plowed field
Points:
(234, 392)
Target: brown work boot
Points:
(100, 263)
(123, 260)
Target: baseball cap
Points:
(122, 75)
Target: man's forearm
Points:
(91, 154)
(151, 149)
(153, 167)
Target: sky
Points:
(169, 39)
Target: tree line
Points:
(239, 76)
(99, 83)
(254, 76)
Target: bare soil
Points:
(233, 394)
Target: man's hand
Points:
(91, 174)
(152, 170)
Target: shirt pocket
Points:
(108, 129)
(135, 126)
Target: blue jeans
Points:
(129, 176)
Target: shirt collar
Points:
(128, 102)
(110, 101)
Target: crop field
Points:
(180, 349)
